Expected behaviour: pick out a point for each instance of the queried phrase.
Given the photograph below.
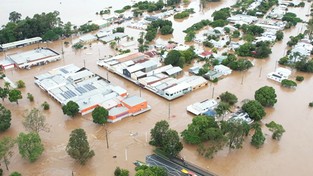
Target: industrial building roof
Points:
(173, 71)
(33, 55)
(20, 42)
(133, 100)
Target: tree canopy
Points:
(30, 146)
(266, 96)
(150, 171)
(6, 150)
(4, 93)
(35, 121)
(5, 118)
(71, 108)
(121, 172)
(15, 95)
(78, 146)
(100, 115)
(165, 138)
(254, 109)
(229, 98)
(235, 131)
(258, 138)
(277, 130)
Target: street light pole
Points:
(169, 110)
(106, 137)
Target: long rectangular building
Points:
(19, 43)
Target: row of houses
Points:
(26, 60)
(151, 74)
(89, 90)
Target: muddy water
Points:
(127, 140)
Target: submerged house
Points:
(279, 74)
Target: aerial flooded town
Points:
(156, 88)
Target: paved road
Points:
(175, 166)
(172, 168)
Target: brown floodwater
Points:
(128, 138)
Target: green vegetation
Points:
(277, 130)
(236, 64)
(150, 171)
(35, 121)
(197, 26)
(46, 25)
(5, 118)
(45, 105)
(258, 138)
(236, 34)
(4, 92)
(121, 172)
(78, 146)
(288, 83)
(6, 150)
(294, 40)
(229, 98)
(71, 108)
(279, 35)
(179, 58)
(252, 29)
(100, 115)
(254, 109)
(85, 28)
(266, 96)
(184, 14)
(20, 84)
(78, 45)
(30, 97)
(291, 18)
(262, 8)
(123, 9)
(311, 104)
(299, 78)
(165, 138)
(221, 14)
(30, 146)
(119, 29)
(259, 50)
(15, 174)
(15, 95)
(164, 26)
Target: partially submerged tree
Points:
(30, 146)
(6, 150)
(4, 92)
(235, 131)
(121, 172)
(15, 95)
(266, 96)
(35, 121)
(20, 84)
(78, 146)
(171, 144)
(277, 130)
(100, 115)
(145, 170)
(254, 109)
(258, 138)
(71, 108)
(15, 174)
(158, 133)
(45, 105)
(5, 118)
(229, 98)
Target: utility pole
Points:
(169, 110)
(106, 137)
(213, 92)
(241, 77)
(261, 71)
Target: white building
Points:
(201, 107)
(222, 69)
(279, 74)
(177, 91)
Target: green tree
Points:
(277, 130)
(266, 96)
(6, 150)
(202, 128)
(174, 58)
(258, 138)
(78, 146)
(20, 84)
(5, 118)
(15, 174)
(222, 108)
(100, 115)
(71, 108)
(30, 97)
(15, 95)
(166, 30)
(288, 83)
(4, 93)
(221, 14)
(254, 109)
(171, 144)
(158, 133)
(150, 171)
(14, 16)
(45, 105)
(235, 131)
(30, 146)
(121, 172)
(279, 35)
(229, 98)
(35, 121)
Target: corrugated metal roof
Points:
(133, 100)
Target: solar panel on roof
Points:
(63, 70)
(81, 90)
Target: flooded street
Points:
(128, 139)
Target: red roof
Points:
(206, 53)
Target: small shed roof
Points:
(133, 100)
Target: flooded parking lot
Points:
(127, 139)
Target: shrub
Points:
(45, 105)
(299, 78)
(30, 97)
(20, 84)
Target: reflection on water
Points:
(290, 156)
